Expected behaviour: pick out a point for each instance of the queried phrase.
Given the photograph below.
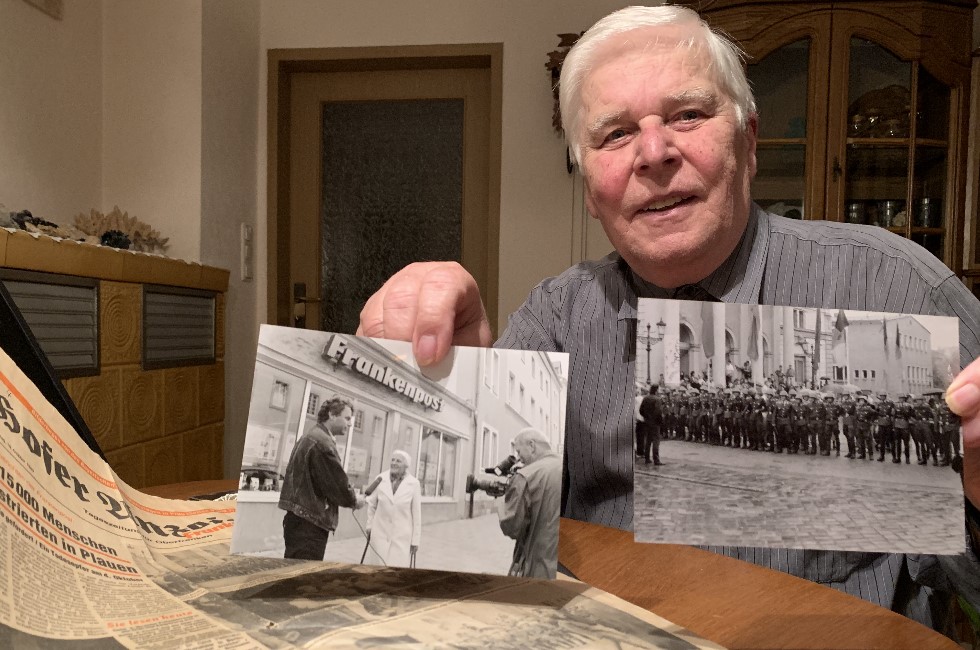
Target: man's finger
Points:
(971, 460)
(963, 394)
(372, 322)
(390, 312)
(449, 312)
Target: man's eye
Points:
(689, 115)
(615, 135)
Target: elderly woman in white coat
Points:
(394, 522)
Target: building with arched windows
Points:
(719, 342)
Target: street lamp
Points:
(661, 326)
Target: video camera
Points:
(504, 469)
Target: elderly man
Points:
(662, 123)
(529, 510)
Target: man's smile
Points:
(662, 206)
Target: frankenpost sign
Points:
(337, 350)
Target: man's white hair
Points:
(725, 61)
(530, 434)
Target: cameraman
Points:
(530, 508)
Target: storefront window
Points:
(437, 463)
(274, 418)
(447, 470)
(429, 462)
(366, 460)
(406, 439)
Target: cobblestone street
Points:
(717, 495)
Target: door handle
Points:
(300, 300)
(837, 169)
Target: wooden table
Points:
(733, 603)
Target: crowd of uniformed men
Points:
(802, 421)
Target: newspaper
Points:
(87, 561)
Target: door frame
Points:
(283, 63)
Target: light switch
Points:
(246, 252)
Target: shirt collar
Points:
(738, 279)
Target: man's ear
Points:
(587, 196)
(751, 138)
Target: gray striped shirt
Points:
(589, 311)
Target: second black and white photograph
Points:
(354, 454)
(789, 427)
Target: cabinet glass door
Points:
(878, 123)
(930, 177)
(780, 82)
(896, 160)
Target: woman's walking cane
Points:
(367, 543)
(368, 492)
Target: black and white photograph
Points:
(789, 427)
(355, 455)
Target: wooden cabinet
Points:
(155, 424)
(864, 110)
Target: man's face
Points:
(339, 424)
(524, 450)
(666, 164)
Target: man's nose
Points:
(655, 148)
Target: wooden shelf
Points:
(895, 142)
(781, 142)
(29, 252)
(890, 143)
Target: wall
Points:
(229, 87)
(151, 153)
(51, 109)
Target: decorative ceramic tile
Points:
(128, 464)
(163, 460)
(202, 453)
(211, 393)
(142, 405)
(180, 391)
(97, 399)
(120, 313)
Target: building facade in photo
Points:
(727, 341)
(891, 354)
(451, 426)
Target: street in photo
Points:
(355, 455)
(789, 427)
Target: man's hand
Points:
(963, 397)
(361, 502)
(432, 304)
